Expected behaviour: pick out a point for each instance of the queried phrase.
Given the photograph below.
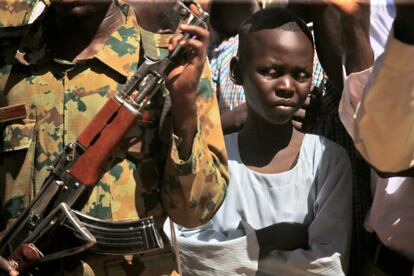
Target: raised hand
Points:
(182, 82)
(184, 78)
(5, 267)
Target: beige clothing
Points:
(391, 216)
(384, 119)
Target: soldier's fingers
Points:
(194, 46)
(174, 41)
(199, 32)
(6, 267)
(195, 9)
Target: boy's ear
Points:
(235, 71)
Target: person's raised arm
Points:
(195, 177)
(328, 40)
(342, 35)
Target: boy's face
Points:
(276, 69)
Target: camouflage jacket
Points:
(15, 16)
(14, 13)
(146, 178)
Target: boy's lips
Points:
(283, 104)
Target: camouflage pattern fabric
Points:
(146, 176)
(15, 16)
(14, 13)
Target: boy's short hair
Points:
(272, 18)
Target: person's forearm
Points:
(193, 189)
(355, 29)
(329, 45)
(282, 236)
(184, 114)
(233, 121)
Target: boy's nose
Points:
(284, 87)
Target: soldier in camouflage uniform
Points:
(176, 169)
(15, 16)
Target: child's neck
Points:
(269, 148)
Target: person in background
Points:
(288, 210)
(390, 218)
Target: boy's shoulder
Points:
(321, 150)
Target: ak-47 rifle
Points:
(49, 219)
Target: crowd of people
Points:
(274, 146)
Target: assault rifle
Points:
(51, 220)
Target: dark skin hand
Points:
(233, 120)
(6, 267)
(342, 27)
(182, 82)
(355, 22)
(290, 236)
(328, 42)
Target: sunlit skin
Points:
(275, 69)
(278, 80)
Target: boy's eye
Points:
(270, 73)
(301, 76)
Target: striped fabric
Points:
(229, 95)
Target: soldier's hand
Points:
(6, 268)
(185, 77)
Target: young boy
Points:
(290, 191)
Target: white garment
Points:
(316, 192)
(382, 14)
(392, 212)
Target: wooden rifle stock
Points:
(100, 138)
